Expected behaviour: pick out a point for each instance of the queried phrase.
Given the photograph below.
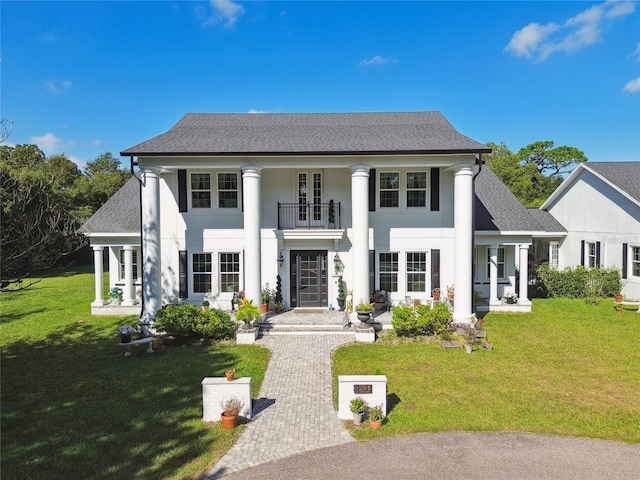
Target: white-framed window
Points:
(229, 280)
(554, 254)
(388, 269)
(202, 270)
(500, 261)
(227, 190)
(389, 189)
(591, 259)
(134, 264)
(416, 271)
(635, 261)
(201, 190)
(416, 189)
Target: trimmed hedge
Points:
(186, 320)
(580, 282)
(416, 320)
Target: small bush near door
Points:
(416, 320)
(187, 320)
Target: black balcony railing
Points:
(318, 216)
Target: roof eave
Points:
(130, 153)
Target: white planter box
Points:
(246, 337)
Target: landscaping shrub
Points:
(186, 320)
(415, 320)
(580, 282)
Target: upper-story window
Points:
(228, 190)
(389, 189)
(200, 190)
(416, 189)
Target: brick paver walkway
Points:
(295, 409)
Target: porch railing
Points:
(313, 216)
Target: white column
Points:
(98, 280)
(360, 225)
(463, 240)
(151, 263)
(523, 295)
(493, 275)
(252, 242)
(127, 291)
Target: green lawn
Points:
(568, 368)
(73, 407)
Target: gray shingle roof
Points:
(624, 175)
(547, 221)
(497, 209)
(119, 214)
(307, 133)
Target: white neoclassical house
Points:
(389, 201)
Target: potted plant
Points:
(115, 295)
(230, 411)
(266, 298)
(358, 407)
(363, 310)
(618, 297)
(277, 296)
(230, 374)
(375, 416)
(436, 294)
(342, 293)
(511, 298)
(247, 312)
(205, 305)
(332, 214)
(450, 292)
(125, 332)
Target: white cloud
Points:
(633, 86)
(253, 110)
(96, 142)
(48, 143)
(56, 86)
(537, 42)
(377, 60)
(224, 11)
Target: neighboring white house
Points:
(389, 201)
(599, 206)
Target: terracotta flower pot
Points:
(264, 308)
(230, 376)
(436, 296)
(228, 421)
(618, 297)
(375, 423)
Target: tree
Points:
(102, 178)
(535, 171)
(37, 195)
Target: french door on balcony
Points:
(309, 194)
(309, 278)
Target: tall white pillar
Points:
(360, 225)
(127, 291)
(523, 295)
(252, 242)
(151, 263)
(98, 280)
(463, 241)
(493, 275)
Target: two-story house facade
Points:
(385, 200)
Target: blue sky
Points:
(83, 78)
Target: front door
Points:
(309, 278)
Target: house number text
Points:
(362, 389)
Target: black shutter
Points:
(597, 254)
(372, 190)
(182, 190)
(183, 274)
(582, 253)
(435, 269)
(435, 189)
(625, 247)
(372, 270)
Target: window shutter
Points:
(598, 264)
(435, 189)
(582, 253)
(183, 274)
(372, 190)
(435, 269)
(625, 248)
(182, 191)
(372, 270)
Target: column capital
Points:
(128, 247)
(251, 171)
(463, 169)
(360, 169)
(97, 248)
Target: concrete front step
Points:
(268, 329)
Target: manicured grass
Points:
(73, 407)
(568, 368)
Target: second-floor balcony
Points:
(312, 216)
